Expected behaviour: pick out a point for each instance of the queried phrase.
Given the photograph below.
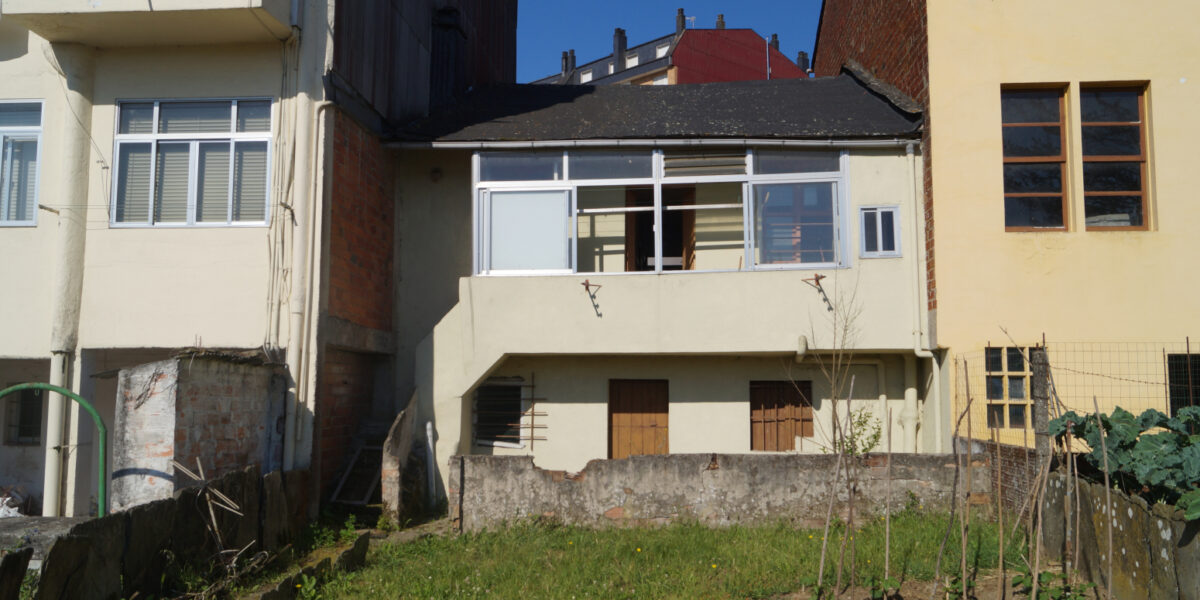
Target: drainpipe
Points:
(910, 415)
(304, 239)
(74, 64)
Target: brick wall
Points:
(361, 227)
(345, 389)
(1015, 468)
(226, 414)
(889, 38)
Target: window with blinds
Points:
(183, 163)
(20, 132)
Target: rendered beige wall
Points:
(1073, 285)
(709, 396)
(25, 296)
(148, 287)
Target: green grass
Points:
(689, 560)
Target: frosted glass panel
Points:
(133, 184)
(529, 231)
(212, 195)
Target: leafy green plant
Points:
(1152, 454)
(957, 589)
(1052, 586)
(316, 535)
(307, 588)
(883, 589)
(349, 531)
(386, 524)
(862, 436)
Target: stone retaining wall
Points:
(1157, 552)
(718, 489)
(127, 553)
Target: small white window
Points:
(20, 134)
(661, 50)
(631, 60)
(610, 68)
(585, 76)
(880, 232)
(660, 80)
(186, 163)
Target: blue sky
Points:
(547, 27)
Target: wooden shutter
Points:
(779, 412)
(638, 411)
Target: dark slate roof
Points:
(825, 108)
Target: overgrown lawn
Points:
(531, 560)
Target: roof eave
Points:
(893, 141)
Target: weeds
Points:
(1052, 586)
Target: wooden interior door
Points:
(637, 417)
(779, 411)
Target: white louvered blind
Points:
(133, 184)
(250, 181)
(137, 118)
(20, 177)
(253, 115)
(171, 183)
(194, 117)
(212, 193)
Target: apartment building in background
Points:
(211, 174)
(689, 55)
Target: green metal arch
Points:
(103, 473)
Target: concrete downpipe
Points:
(75, 66)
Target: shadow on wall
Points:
(14, 41)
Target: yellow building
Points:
(1058, 154)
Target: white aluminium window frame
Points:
(878, 210)
(194, 140)
(21, 133)
(481, 217)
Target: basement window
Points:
(192, 163)
(499, 410)
(23, 418)
(1007, 381)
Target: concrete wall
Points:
(716, 489)
(143, 551)
(226, 415)
(1074, 285)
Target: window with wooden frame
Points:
(1007, 380)
(780, 411)
(1114, 157)
(1034, 159)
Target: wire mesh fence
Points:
(1135, 376)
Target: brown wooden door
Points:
(779, 411)
(637, 417)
